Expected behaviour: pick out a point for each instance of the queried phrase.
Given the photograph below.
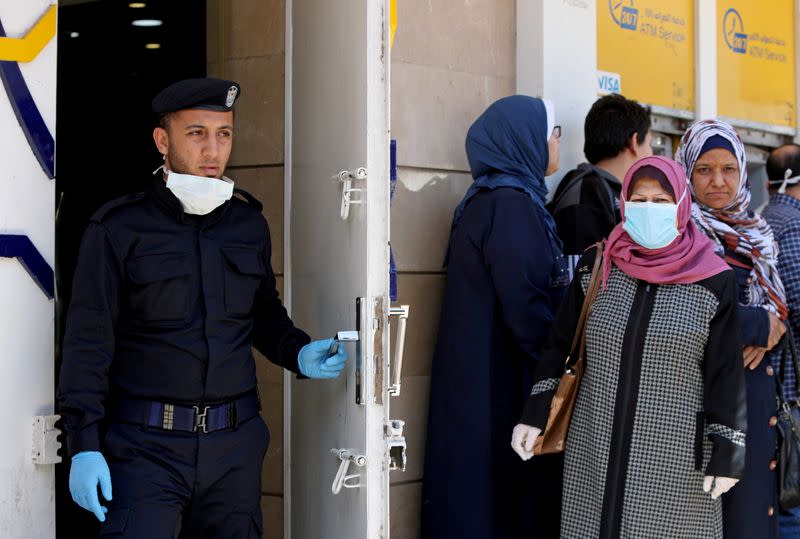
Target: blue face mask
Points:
(651, 224)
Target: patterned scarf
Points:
(735, 226)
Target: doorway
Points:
(113, 57)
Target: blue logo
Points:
(608, 83)
(733, 31)
(30, 119)
(625, 16)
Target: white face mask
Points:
(199, 195)
(788, 179)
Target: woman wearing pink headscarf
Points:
(658, 429)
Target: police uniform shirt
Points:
(166, 307)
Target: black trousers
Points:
(208, 485)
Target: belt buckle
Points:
(200, 418)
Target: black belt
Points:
(187, 418)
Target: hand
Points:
(88, 469)
(522, 440)
(315, 361)
(721, 485)
(753, 356)
(776, 330)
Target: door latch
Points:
(346, 457)
(395, 380)
(347, 178)
(45, 439)
(396, 443)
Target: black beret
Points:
(206, 94)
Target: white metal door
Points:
(339, 122)
(27, 127)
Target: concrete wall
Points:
(450, 60)
(246, 44)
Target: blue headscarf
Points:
(507, 146)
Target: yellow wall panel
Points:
(756, 61)
(650, 45)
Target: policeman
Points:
(172, 289)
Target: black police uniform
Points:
(158, 371)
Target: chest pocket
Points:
(160, 286)
(244, 270)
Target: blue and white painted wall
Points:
(27, 191)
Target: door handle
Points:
(395, 380)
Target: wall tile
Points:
(422, 213)
(423, 293)
(259, 111)
(266, 184)
(432, 108)
(272, 412)
(256, 28)
(405, 504)
(272, 513)
(474, 37)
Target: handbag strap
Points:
(789, 349)
(591, 293)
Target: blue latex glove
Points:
(315, 360)
(88, 469)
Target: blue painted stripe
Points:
(23, 249)
(28, 115)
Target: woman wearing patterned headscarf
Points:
(660, 372)
(713, 156)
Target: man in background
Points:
(586, 203)
(783, 215)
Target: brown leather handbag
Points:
(554, 437)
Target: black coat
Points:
(585, 207)
(166, 306)
(497, 311)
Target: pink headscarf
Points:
(688, 259)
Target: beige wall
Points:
(246, 44)
(450, 60)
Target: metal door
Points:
(338, 140)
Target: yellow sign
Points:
(392, 21)
(645, 51)
(756, 61)
(27, 48)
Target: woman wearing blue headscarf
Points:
(506, 275)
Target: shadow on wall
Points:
(422, 213)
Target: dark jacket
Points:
(166, 306)
(746, 508)
(505, 277)
(585, 207)
(497, 309)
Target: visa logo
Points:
(608, 83)
(740, 43)
(628, 18)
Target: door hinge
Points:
(396, 444)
